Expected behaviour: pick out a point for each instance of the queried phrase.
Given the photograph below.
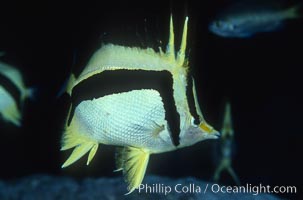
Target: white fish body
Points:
(139, 119)
(110, 120)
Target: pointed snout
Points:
(209, 130)
(214, 134)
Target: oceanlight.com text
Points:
(253, 189)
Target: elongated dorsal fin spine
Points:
(170, 50)
(181, 52)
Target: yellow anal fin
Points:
(72, 138)
(133, 161)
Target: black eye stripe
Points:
(117, 81)
(11, 88)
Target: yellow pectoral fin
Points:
(72, 138)
(133, 162)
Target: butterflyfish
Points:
(141, 100)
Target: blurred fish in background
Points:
(13, 94)
(247, 18)
(226, 151)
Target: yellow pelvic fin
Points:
(72, 138)
(92, 153)
(294, 11)
(133, 162)
(79, 151)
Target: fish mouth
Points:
(215, 134)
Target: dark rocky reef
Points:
(63, 188)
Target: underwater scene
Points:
(151, 100)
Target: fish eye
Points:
(195, 122)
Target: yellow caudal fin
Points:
(295, 11)
(133, 162)
(72, 138)
(12, 114)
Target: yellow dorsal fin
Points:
(133, 162)
(181, 52)
(170, 49)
